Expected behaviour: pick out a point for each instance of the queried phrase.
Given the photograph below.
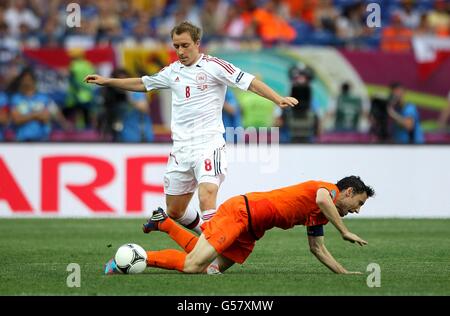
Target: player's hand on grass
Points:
(288, 101)
(354, 238)
(95, 79)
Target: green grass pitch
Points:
(413, 255)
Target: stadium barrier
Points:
(96, 180)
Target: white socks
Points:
(191, 220)
(208, 214)
(213, 267)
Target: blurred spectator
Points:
(137, 124)
(191, 10)
(183, 10)
(7, 42)
(351, 25)
(445, 114)
(408, 14)
(396, 37)
(9, 50)
(213, 17)
(52, 33)
(4, 117)
(423, 29)
(231, 116)
(256, 110)
(128, 18)
(347, 110)
(30, 109)
(80, 95)
(240, 29)
(405, 117)
(247, 8)
(272, 27)
(379, 120)
(326, 16)
(125, 116)
(109, 24)
(83, 37)
(303, 10)
(439, 18)
(302, 121)
(44, 9)
(282, 9)
(27, 37)
(18, 13)
(234, 25)
(141, 32)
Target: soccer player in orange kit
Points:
(231, 234)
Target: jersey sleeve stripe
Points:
(225, 63)
(229, 69)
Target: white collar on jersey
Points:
(199, 60)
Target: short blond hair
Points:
(187, 27)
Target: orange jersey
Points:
(289, 206)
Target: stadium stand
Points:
(29, 29)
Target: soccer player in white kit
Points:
(198, 83)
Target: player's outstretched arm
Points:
(130, 84)
(328, 208)
(260, 88)
(318, 249)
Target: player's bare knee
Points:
(207, 203)
(174, 213)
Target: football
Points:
(131, 259)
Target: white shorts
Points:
(187, 168)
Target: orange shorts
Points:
(228, 232)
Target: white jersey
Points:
(198, 95)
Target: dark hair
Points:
(357, 184)
(187, 27)
(345, 87)
(395, 85)
(14, 86)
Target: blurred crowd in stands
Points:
(26, 114)
(40, 23)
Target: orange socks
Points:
(172, 259)
(185, 239)
(167, 259)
